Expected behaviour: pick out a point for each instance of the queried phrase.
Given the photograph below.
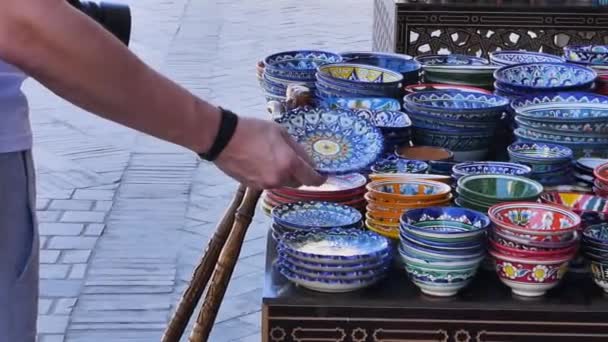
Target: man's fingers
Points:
(306, 175)
(300, 151)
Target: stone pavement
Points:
(125, 217)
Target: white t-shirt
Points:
(15, 131)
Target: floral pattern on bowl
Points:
(563, 128)
(338, 141)
(370, 103)
(298, 65)
(545, 76)
(520, 57)
(563, 107)
(587, 54)
(529, 217)
(359, 73)
(316, 215)
(471, 223)
(400, 165)
(501, 168)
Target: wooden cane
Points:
(202, 273)
(225, 267)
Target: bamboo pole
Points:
(202, 273)
(225, 267)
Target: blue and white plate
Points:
(519, 57)
(314, 214)
(382, 261)
(331, 275)
(563, 107)
(337, 140)
(587, 54)
(455, 63)
(501, 168)
(539, 153)
(328, 285)
(545, 76)
(354, 103)
(335, 246)
(455, 101)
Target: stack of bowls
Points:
(583, 172)
(334, 260)
(457, 69)
(442, 247)
(532, 245)
(504, 58)
(592, 209)
(460, 121)
(441, 167)
(403, 64)
(393, 164)
(480, 192)
(355, 103)
(522, 79)
(345, 189)
(313, 215)
(576, 120)
(395, 127)
(595, 249)
(387, 200)
(292, 67)
(600, 183)
(490, 168)
(350, 80)
(551, 164)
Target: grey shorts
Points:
(18, 248)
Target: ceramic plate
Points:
(455, 63)
(563, 107)
(520, 57)
(381, 262)
(587, 54)
(316, 215)
(341, 183)
(300, 64)
(338, 141)
(328, 285)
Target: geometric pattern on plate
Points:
(577, 201)
(337, 140)
(455, 100)
(520, 57)
(316, 214)
(502, 168)
(569, 106)
(540, 151)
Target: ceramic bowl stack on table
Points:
(289, 67)
(403, 64)
(575, 120)
(532, 245)
(442, 247)
(461, 121)
(505, 58)
(600, 183)
(345, 189)
(334, 260)
(458, 70)
(480, 192)
(313, 215)
(387, 200)
(551, 164)
(595, 249)
(395, 126)
(351, 80)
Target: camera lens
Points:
(116, 18)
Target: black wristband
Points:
(228, 124)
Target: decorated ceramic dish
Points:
(335, 246)
(338, 141)
(416, 190)
(328, 285)
(537, 218)
(371, 103)
(386, 119)
(454, 63)
(601, 172)
(494, 188)
(519, 57)
(587, 54)
(426, 153)
(341, 183)
(403, 64)
(597, 233)
(352, 73)
(455, 101)
(400, 166)
(501, 168)
(414, 88)
(375, 264)
(545, 76)
(592, 209)
(316, 215)
(539, 152)
(298, 65)
(437, 222)
(563, 107)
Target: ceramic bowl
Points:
(444, 242)
(566, 107)
(408, 176)
(334, 186)
(437, 254)
(380, 203)
(410, 259)
(332, 275)
(438, 282)
(333, 89)
(389, 120)
(303, 215)
(591, 209)
(389, 232)
(425, 153)
(353, 74)
(414, 88)
(561, 137)
(545, 77)
(328, 285)
(510, 239)
(597, 234)
(441, 167)
(403, 64)
(438, 121)
(600, 172)
(587, 54)
(495, 188)
(334, 246)
(298, 65)
(453, 140)
(599, 272)
(456, 101)
(371, 103)
(529, 277)
(527, 253)
(455, 63)
(338, 141)
(539, 153)
(595, 129)
(400, 166)
(500, 168)
(436, 222)
(519, 57)
(534, 218)
(376, 264)
(412, 190)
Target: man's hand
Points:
(261, 154)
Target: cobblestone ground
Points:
(125, 217)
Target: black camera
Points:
(116, 18)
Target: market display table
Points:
(395, 310)
(416, 27)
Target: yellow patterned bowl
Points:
(409, 190)
(358, 74)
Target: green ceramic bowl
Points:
(499, 188)
(481, 202)
(464, 203)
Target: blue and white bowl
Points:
(579, 150)
(539, 153)
(455, 63)
(400, 165)
(379, 263)
(565, 107)
(432, 254)
(300, 65)
(359, 76)
(501, 168)
(403, 64)
(328, 89)
(334, 275)
(594, 55)
(464, 102)
(434, 222)
(599, 128)
(504, 58)
(355, 103)
(522, 78)
(562, 137)
(316, 214)
(321, 284)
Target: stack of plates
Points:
(595, 250)
(346, 189)
(457, 69)
(551, 164)
(334, 260)
(388, 199)
(461, 121)
(403, 64)
(442, 247)
(284, 68)
(349, 80)
(480, 192)
(600, 183)
(576, 120)
(394, 125)
(313, 215)
(504, 58)
(583, 172)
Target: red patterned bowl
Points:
(539, 222)
(592, 209)
(509, 239)
(530, 277)
(601, 172)
(499, 246)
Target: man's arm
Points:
(81, 62)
